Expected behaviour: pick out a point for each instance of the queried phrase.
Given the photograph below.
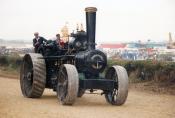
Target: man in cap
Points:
(37, 41)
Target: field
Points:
(140, 104)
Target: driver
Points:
(37, 41)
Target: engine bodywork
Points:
(73, 69)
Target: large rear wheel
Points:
(33, 75)
(119, 94)
(68, 84)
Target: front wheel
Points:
(119, 94)
(68, 84)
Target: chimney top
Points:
(90, 9)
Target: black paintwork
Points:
(83, 55)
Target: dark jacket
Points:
(40, 41)
(37, 43)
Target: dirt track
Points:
(138, 105)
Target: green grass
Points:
(153, 70)
(9, 66)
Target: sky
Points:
(117, 20)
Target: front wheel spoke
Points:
(113, 95)
(114, 77)
(65, 83)
(114, 92)
(110, 96)
(62, 73)
(62, 76)
(65, 89)
(62, 89)
(59, 84)
(63, 93)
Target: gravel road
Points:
(139, 104)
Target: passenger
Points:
(59, 42)
(38, 41)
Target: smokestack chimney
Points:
(90, 26)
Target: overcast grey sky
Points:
(117, 20)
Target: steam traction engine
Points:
(73, 70)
